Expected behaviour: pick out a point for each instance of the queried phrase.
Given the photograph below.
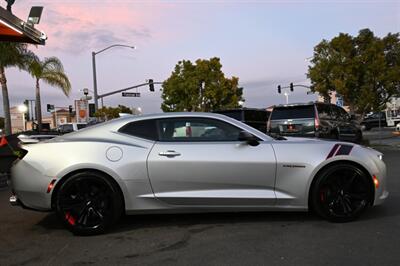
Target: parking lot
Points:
(382, 137)
(32, 238)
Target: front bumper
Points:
(381, 192)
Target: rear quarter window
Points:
(145, 129)
(293, 112)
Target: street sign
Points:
(131, 94)
(339, 101)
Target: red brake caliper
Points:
(322, 195)
(70, 218)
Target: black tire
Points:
(88, 203)
(341, 193)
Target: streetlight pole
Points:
(23, 109)
(95, 93)
(287, 97)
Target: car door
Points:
(199, 161)
(348, 129)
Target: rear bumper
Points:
(29, 187)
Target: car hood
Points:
(303, 140)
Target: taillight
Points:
(316, 119)
(316, 122)
(51, 185)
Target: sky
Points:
(264, 43)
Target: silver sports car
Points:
(192, 162)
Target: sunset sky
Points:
(264, 43)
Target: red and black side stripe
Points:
(340, 149)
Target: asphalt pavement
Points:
(269, 238)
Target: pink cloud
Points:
(76, 27)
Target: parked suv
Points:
(373, 121)
(256, 118)
(321, 120)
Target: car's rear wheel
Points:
(341, 193)
(88, 203)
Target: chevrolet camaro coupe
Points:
(192, 162)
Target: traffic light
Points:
(151, 85)
(279, 89)
(70, 109)
(27, 113)
(291, 86)
(92, 109)
(50, 107)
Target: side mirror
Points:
(248, 138)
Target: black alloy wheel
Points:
(88, 203)
(341, 193)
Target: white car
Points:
(192, 162)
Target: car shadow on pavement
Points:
(133, 222)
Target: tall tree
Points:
(200, 87)
(51, 71)
(364, 69)
(11, 55)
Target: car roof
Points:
(115, 124)
(301, 104)
(241, 109)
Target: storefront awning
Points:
(13, 29)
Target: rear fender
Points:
(65, 173)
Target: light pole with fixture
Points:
(95, 93)
(23, 108)
(287, 97)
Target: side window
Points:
(145, 129)
(324, 111)
(196, 129)
(339, 113)
(343, 114)
(336, 113)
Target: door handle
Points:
(169, 153)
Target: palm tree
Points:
(51, 71)
(11, 55)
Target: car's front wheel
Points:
(88, 203)
(341, 193)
